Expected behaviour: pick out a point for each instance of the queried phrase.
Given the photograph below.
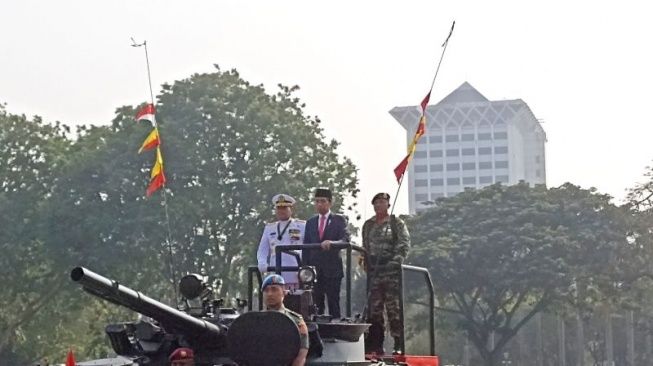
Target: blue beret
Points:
(272, 279)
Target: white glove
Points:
(263, 268)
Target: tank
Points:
(227, 336)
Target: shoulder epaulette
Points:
(290, 312)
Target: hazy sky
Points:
(584, 68)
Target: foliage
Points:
(499, 250)
(32, 154)
(227, 147)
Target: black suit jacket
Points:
(328, 263)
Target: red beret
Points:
(181, 354)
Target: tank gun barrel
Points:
(113, 292)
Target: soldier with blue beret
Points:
(273, 290)
(284, 231)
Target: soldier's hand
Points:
(326, 244)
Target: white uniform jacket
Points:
(281, 233)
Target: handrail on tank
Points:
(405, 267)
(279, 249)
(429, 283)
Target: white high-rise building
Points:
(471, 141)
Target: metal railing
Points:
(280, 249)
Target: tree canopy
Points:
(500, 255)
(228, 147)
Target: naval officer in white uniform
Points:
(286, 230)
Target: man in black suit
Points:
(326, 228)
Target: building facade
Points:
(473, 142)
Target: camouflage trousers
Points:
(384, 293)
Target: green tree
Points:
(227, 148)
(31, 155)
(500, 255)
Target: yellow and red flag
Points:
(400, 170)
(157, 178)
(151, 141)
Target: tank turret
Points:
(149, 342)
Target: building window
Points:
(484, 150)
(437, 182)
(469, 180)
(435, 153)
(501, 150)
(467, 137)
(453, 152)
(421, 142)
(420, 154)
(469, 166)
(502, 178)
(435, 139)
(451, 138)
(485, 165)
(421, 182)
(500, 164)
(485, 180)
(537, 159)
(453, 167)
(436, 167)
(435, 196)
(537, 173)
(484, 136)
(453, 181)
(501, 135)
(469, 151)
(422, 197)
(420, 169)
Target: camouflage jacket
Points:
(303, 329)
(381, 246)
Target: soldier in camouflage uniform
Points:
(386, 241)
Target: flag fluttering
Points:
(157, 178)
(70, 360)
(400, 170)
(151, 141)
(147, 113)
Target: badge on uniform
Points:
(302, 327)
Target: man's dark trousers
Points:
(329, 287)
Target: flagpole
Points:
(165, 196)
(392, 209)
(446, 42)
